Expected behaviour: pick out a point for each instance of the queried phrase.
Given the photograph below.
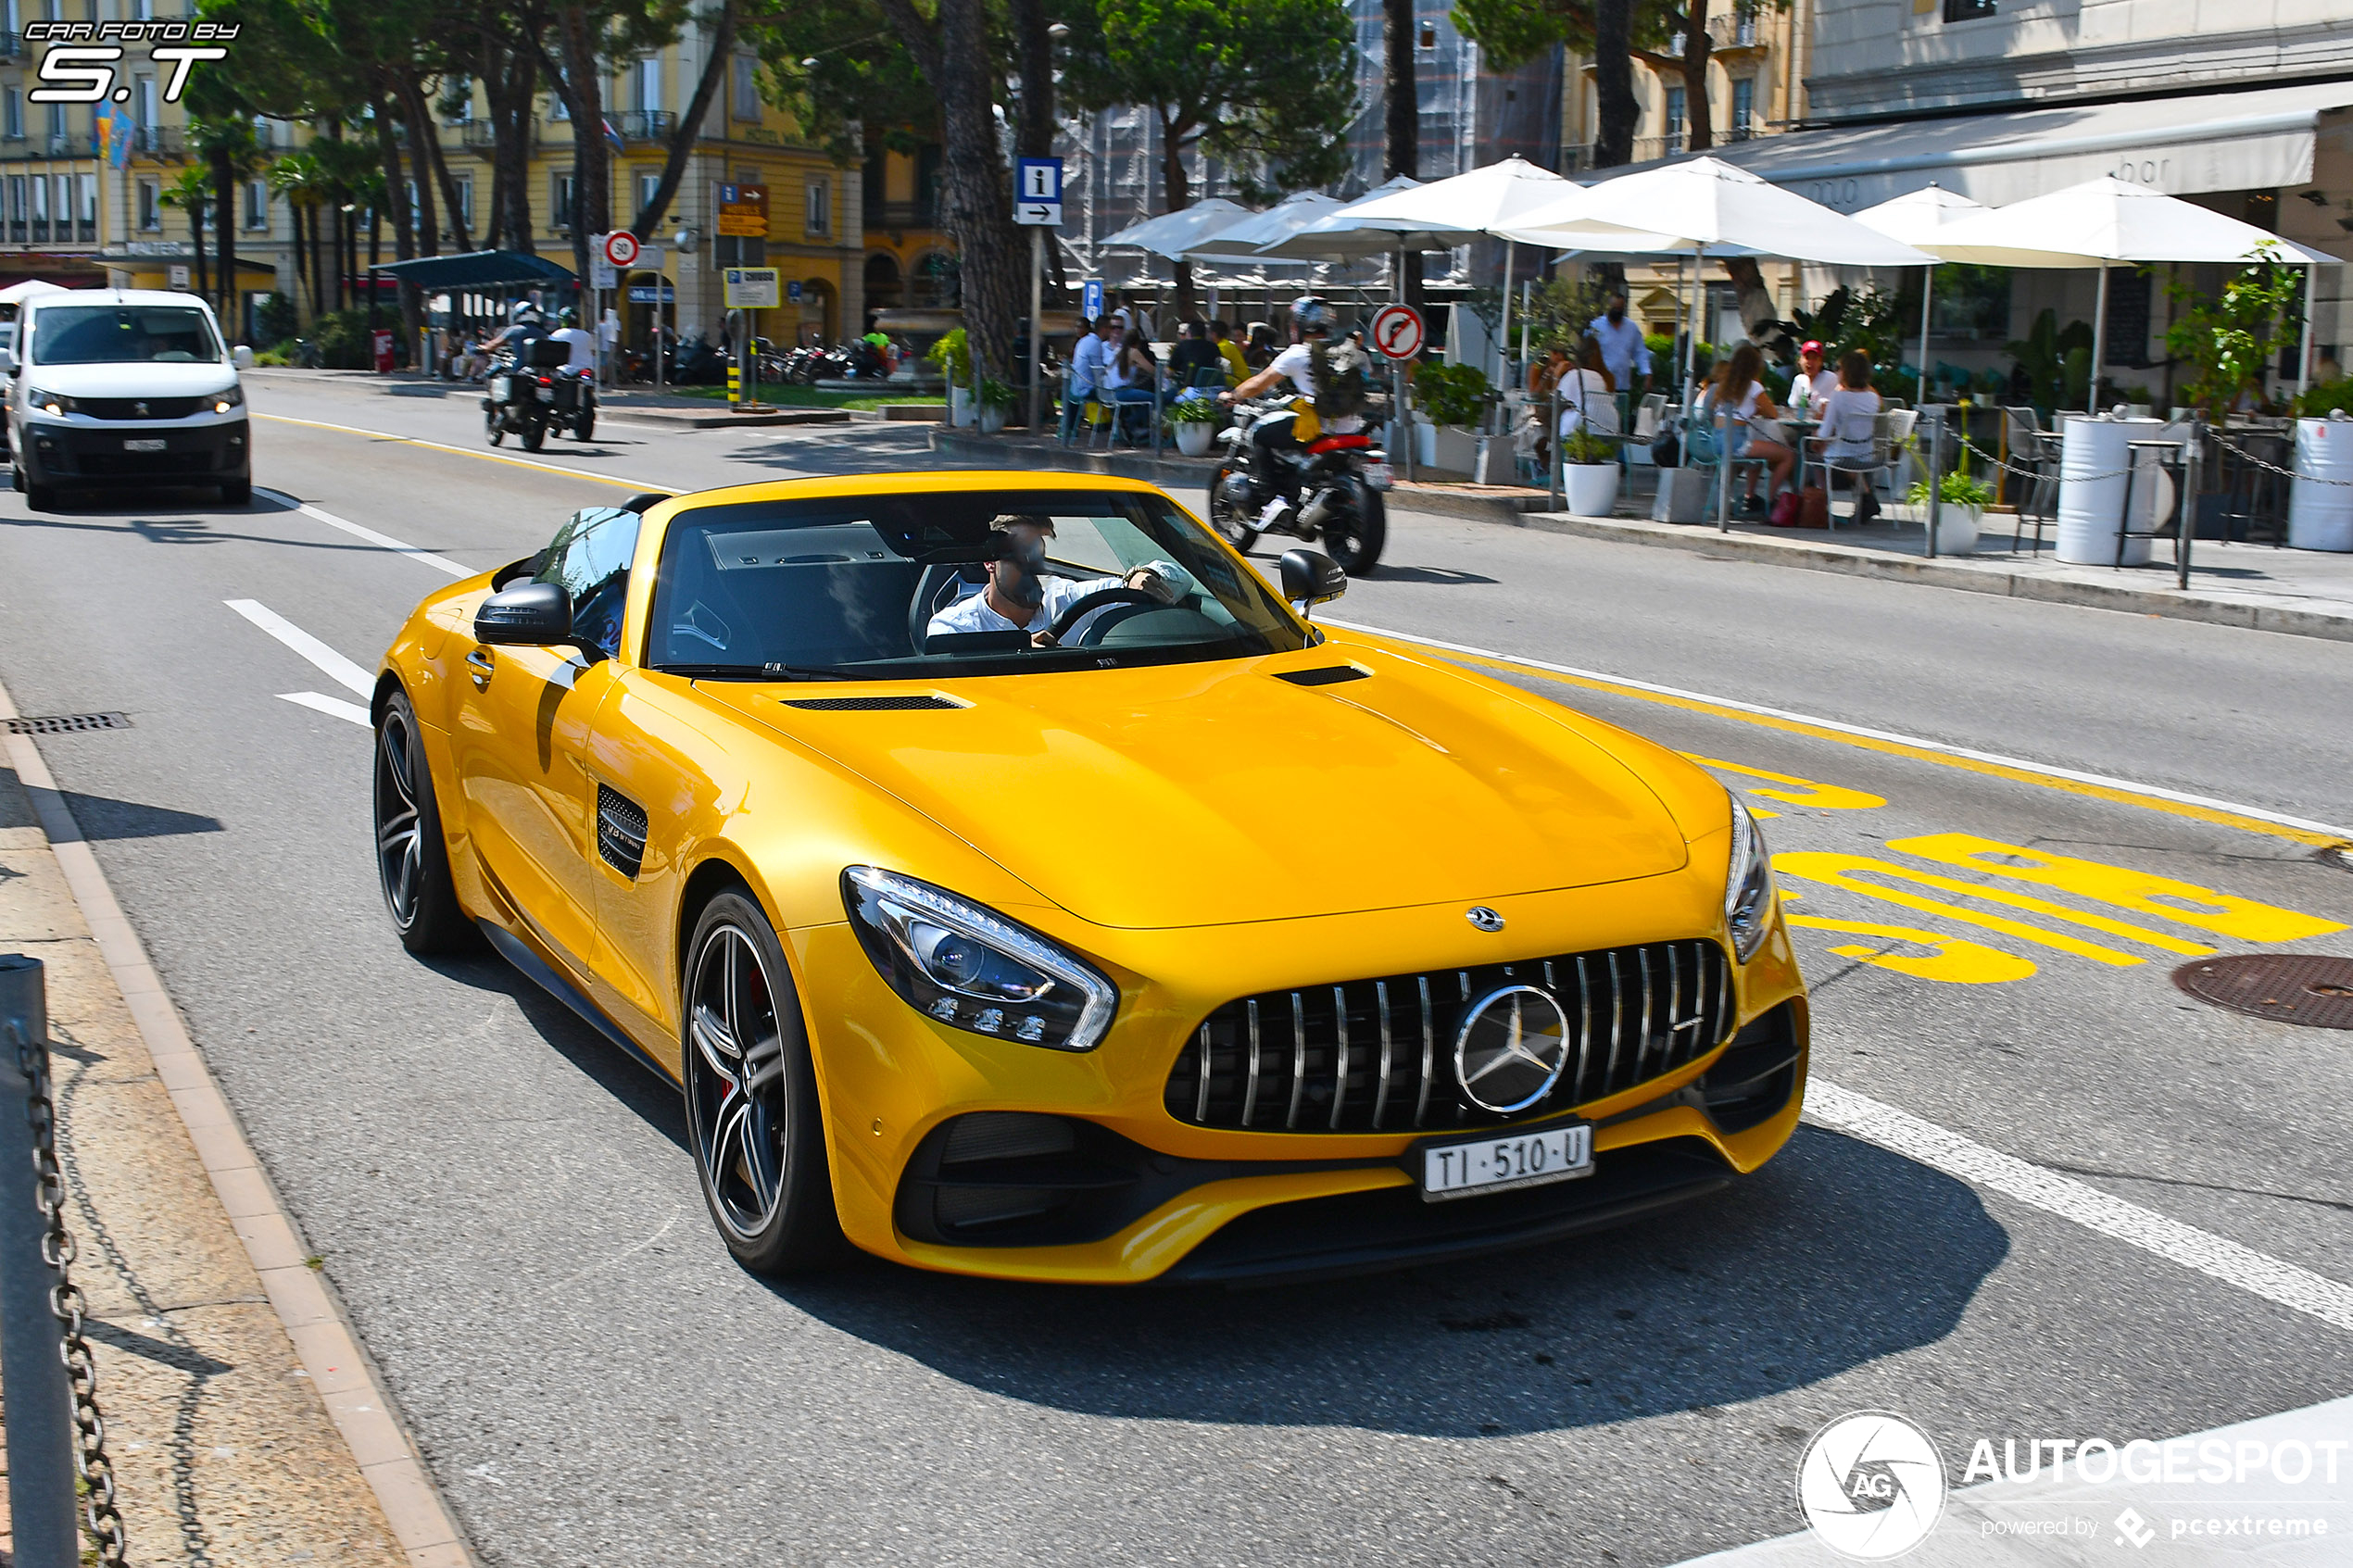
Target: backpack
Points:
(1342, 385)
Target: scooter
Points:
(1333, 489)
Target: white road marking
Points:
(334, 707)
(621, 480)
(2100, 779)
(439, 563)
(338, 669)
(2297, 1288)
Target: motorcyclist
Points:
(584, 345)
(524, 322)
(1280, 434)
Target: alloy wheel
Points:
(399, 825)
(735, 1071)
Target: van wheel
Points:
(41, 497)
(237, 493)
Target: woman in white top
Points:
(1588, 394)
(1850, 429)
(1739, 389)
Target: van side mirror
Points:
(1311, 577)
(527, 614)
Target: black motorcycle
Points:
(1333, 489)
(520, 396)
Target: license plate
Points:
(143, 445)
(1459, 1169)
(1380, 475)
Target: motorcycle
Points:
(1333, 489)
(520, 396)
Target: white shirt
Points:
(1850, 426)
(1623, 349)
(584, 348)
(1298, 362)
(1586, 403)
(608, 330)
(1809, 392)
(1090, 365)
(974, 613)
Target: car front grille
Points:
(138, 408)
(111, 464)
(1378, 1055)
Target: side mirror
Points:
(1311, 577)
(242, 357)
(527, 614)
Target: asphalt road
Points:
(507, 1208)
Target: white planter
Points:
(1591, 488)
(2319, 516)
(1193, 438)
(992, 418)
(1424, 444)
(960, 407)
(1957, 528)
(1454, 448)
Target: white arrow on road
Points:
(343, 672)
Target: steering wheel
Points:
(1086, 603)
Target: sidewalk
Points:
(2305, 592)
(245, 1425)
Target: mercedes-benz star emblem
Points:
(1511, 1048)
(1484, 918)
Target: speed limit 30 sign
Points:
(1397, 331)
(621, 247)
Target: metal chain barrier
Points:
(1975, 451)
(2232, 447)
(90, 1461)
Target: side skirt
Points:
(514, 951)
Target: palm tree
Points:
(227, 152)
(188, 194)
(298, 177)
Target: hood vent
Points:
(1330, 675)
(870, 704)
(621, 831)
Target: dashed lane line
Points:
(338, 669)
(592, 477)
(2100, 786)
(385, 541)
(332, 707)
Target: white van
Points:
(113, 388)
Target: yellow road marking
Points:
(2118, 792)
(1955, 961)
(1797, 791)
(469, 452)
(2183, 901)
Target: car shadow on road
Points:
(1834, 1255)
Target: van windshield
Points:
(122, 335)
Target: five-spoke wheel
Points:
(411, 859)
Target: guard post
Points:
(33, 1368)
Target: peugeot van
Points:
(116, 388)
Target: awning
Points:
(2253, 141)
(477, 270)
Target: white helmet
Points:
(524, 311)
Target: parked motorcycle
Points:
(522, 396)
(1333, 489)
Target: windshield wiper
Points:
(759, 672)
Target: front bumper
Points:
(100, 453)
(1140, 1196)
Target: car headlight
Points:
(49, 402)
(229, 398)
(1748, 886)
(969, 966)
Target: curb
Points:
(306, 1307)
(687, 418)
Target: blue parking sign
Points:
(1091, 298)
(792, 291)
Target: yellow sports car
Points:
(1015, 883)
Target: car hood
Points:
(1209, 794)
(192, 379)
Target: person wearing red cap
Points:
(1815, 380)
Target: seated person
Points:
(1193, 354)
(1020, 597)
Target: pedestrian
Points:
(1850, 430)
(1237, 368)
(608, 339)
(1813, 384)
(1091, 367)
(1624, 354)
(1752, 429)
(1195, 352)
(1545, 374)
(1134, 378)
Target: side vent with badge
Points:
(621, 831)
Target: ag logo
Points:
(1872, 1485)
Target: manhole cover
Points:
(66, 723)
(2284, 987)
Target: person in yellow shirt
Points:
(1237, 368)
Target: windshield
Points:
(122, 335)
(972, 583)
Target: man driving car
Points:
(1020, 597)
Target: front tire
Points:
(1231, 522)
(494, 426)
(751, 1095)
(412, 857)
(534, 436)
(41, 497)
(1353, 540)
(237, 493)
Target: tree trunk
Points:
(224, 206)
(682, 140)
(321, 288)
(1614, 84)
(509, 86)
(581, 83)
(195, 238)
(1759, 313)
(1402, 119)
(1698, 113)
(411, 232)
(1175, 194)
(1033, 135)
(301, 257)
(955, 59)
(431, 170)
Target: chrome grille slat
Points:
(1229, 1065)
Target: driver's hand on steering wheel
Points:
(1042, 640)
(1227, 396)
(1148, 580)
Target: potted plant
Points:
(1961, 516)
(1454, 397)
(995, 402)
(1192, 419)
(954, 360)
(1588, 472)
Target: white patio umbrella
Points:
(1706, 206)
(1916, 218)
(1171, 233)
(1247, 240)
(2106, 220)
(1338, 237)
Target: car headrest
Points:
(942, 584)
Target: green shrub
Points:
(1584, 446)
(2324, 398)
(342, 338)
(273, 318)
(953, 357)
(1959, 489)
(1451, 395)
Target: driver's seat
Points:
(943, 583)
